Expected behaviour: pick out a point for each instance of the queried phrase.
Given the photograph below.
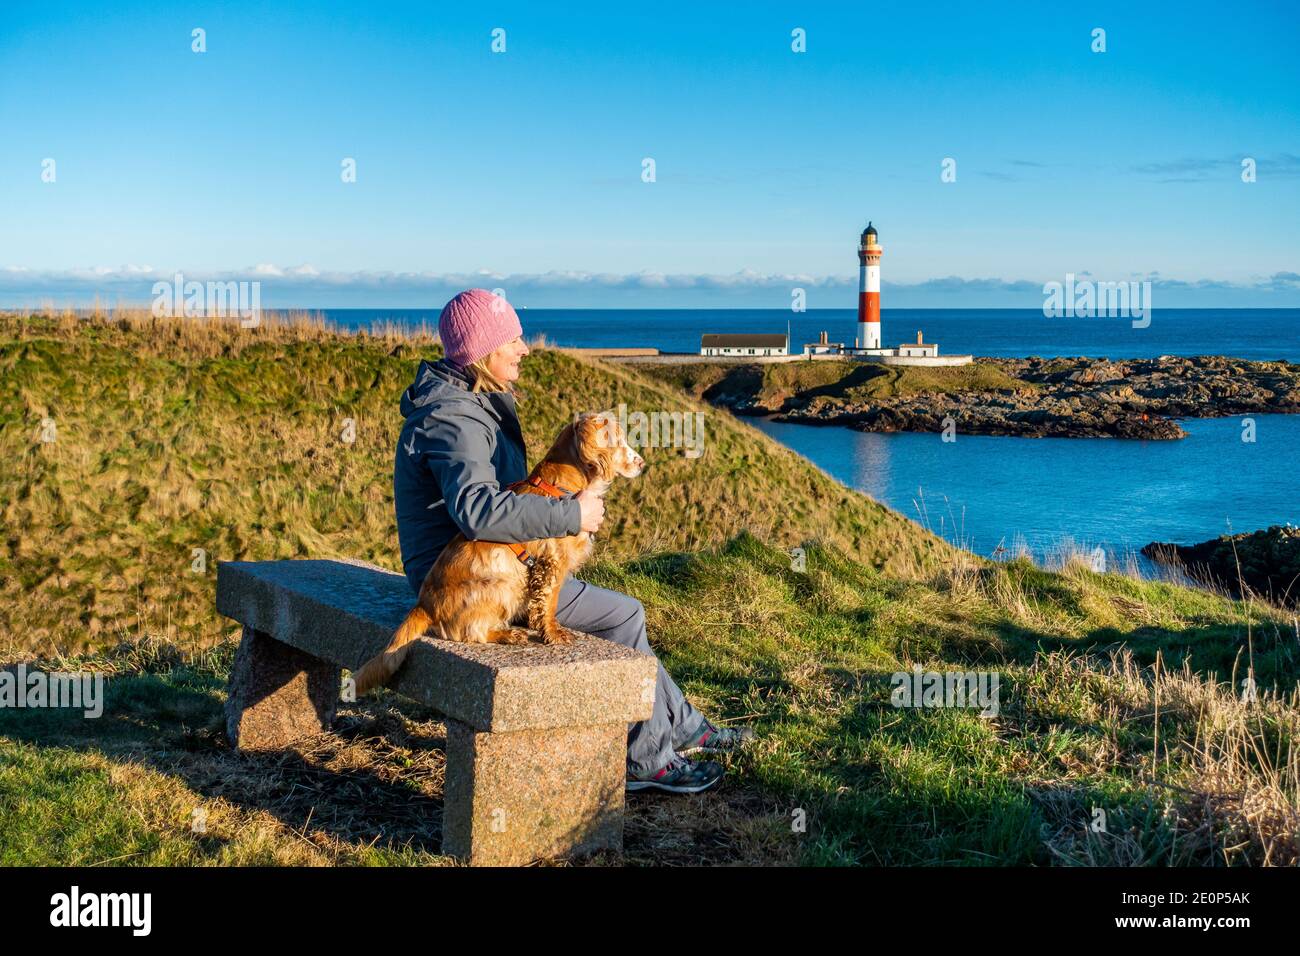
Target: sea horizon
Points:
(1255, 334)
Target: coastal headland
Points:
(1026, 397)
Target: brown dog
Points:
(480, 591)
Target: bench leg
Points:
(512, 798)
(278, 694)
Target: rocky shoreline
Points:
(1034, 397)
(1269, 562)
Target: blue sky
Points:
(523, 169)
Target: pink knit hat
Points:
(474, 323)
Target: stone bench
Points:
(536, 735)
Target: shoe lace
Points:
(679, 765)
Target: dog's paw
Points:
(512, 635)
(561, 635)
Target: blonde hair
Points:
(484, 380)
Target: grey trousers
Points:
(619, 618)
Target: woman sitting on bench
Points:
(459, 448)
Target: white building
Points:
(743, 345)
(920, 349)
(823, 346)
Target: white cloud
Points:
(305, 285)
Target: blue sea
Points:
(1071, 494)
(986, 492)
(1260, 334)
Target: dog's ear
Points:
(596, 453)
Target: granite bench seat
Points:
(536, 735)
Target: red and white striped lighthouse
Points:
(869, 289)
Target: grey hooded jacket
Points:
(457, 452)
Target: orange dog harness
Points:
(546, 488)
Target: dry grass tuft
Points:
(1223, 770)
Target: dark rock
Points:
(1061, 397)
(1266, 562)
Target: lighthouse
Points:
(866, 344)
(869, 289)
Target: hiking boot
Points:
(680, 776)
(713, 738)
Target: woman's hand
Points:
(593, 510)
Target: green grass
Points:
(902, 381)
(1116, 695)
(128, 787)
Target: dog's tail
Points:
(380, 669)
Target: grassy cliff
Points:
(1115, 695)
(127, 446)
